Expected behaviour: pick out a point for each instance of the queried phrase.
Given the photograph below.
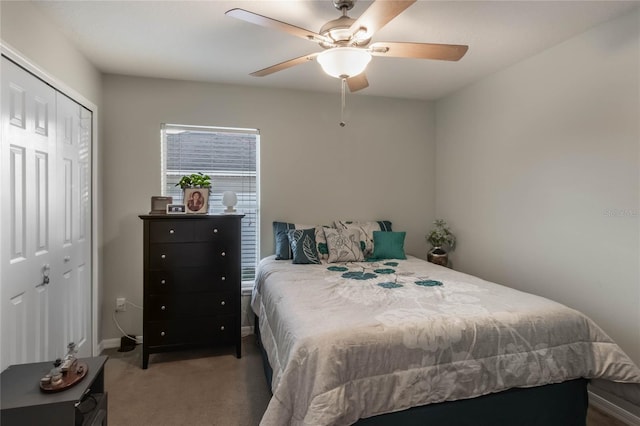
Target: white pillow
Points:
(366, 229)
(343, 245)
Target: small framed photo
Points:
(176, 209)
(159, 204)
(196, 200)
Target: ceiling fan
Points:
(347, 41)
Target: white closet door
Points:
(45, 278)
(72, 264)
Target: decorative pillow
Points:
(321, 242)
(283, 249)
(343, 245)
(388, 245)
(366, 229)
(280, 232)
(303, 245)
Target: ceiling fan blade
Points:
(284, 65)
(445, 52)
(379, 14)
(357, 82)
(264, 21)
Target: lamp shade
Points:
(229, 200)
(344, 62)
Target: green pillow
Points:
(388, 245)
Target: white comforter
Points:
(388, 337)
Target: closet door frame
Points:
(60, 86)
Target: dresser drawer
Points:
(217, 330)
(167, 231)
(167, 306)
(188, 280)
(214, 231)
(167, 256)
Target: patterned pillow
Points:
(344, 245)
(283, 248)
(303, 245)
(321, 242)
(366, 229)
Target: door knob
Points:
(46, 269)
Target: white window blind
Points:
(230, 157)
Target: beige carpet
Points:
(200, 388)
(196, 388)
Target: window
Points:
(230, 157)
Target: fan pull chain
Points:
(344, 85)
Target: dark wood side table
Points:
(23, 403)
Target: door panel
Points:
(74, 141)
(28, 139)
(45, 226)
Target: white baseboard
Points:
(613, 410)
(247, 330)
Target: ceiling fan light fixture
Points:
(344, 62)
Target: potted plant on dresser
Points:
(196, 188)
(442, 241)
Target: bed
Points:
(403, 341)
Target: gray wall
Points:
(380, 166)
(538, 173)
(25, 29)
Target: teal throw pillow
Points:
(388, 245)
(280, 231)
(303, 246)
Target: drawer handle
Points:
(215, 230)
(224, 254)
(163, 256)
(222, 328)
(171, 231)
(222, 303)
(162, 333)
(163, 281)
(223, 278)
(162, 308)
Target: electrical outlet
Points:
(121, 304)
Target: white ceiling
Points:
(195, 40)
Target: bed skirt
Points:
(561, 404)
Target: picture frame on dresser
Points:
(159, 204)
(196, 200)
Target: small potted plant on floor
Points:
(442, 241)
(196, 192)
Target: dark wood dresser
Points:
(192, 282)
